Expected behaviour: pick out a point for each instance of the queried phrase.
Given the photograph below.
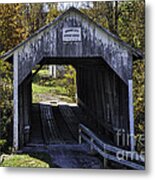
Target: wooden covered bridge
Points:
(103, 66)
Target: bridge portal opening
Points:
(101, 104)
(54, 102)
(54, 84)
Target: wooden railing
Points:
(110, 152)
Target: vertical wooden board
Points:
(15, 102)
(109, 104)
(112, 87)
(84, 89)
(116, 101)
(99, 100)
(120, 105)
(81, 78)
(90, 94)
(98, 92)
(103, 97)
(113, 84)
(25, 102)
(90, 89)
(29, 108)
(93, 120)
(95, 105)
(117, 106)
(131, 114)
(77, 81)
(124, 107)
(21, 116)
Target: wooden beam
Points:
(32, 76)
(15, 102)
(131, 115)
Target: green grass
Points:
(45, 88)
(42, 72)
(46, 93)
(24, 160)
(2, 142)
(41, 89)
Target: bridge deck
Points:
(54, 124)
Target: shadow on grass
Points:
(45, 157)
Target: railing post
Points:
(105, 160)
(91, 146)
(80, 138)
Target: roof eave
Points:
(136, 53)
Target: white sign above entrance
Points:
(71, 34)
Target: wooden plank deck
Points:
(36, 135)
(50, 130)
(57, 124)
(70, 119)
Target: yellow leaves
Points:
(140, 99)
(11, 25)
(138, 91)
(141, 127)
(17, 7)
(53, 13)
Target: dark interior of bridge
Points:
(102, 105)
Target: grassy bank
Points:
(34, 160)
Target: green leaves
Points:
(6, 107)
(53, 12)
(12, 29)
(131, 23)
(70, 81)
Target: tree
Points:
(6, 106)
(53, 12)
(35, 17)
(131, 23)
(12, 29)
(104, 13)
(70, 81)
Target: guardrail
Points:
(110, 152)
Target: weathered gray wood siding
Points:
(95, 43)
(103, 90)
(104, 97)
(25, 100)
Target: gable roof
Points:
(136, 53)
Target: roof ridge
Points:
(135, 52)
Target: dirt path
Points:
(69, 155)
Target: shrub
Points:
(6, 105)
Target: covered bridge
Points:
(103, 66)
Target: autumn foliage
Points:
(126, 19)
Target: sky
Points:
(66, 5)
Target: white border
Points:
(54, 174)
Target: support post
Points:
(54, 71)
(15, 102)
(131, 115)
(105, 161)
(91, 146)
(50, 70)
(80, 138)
